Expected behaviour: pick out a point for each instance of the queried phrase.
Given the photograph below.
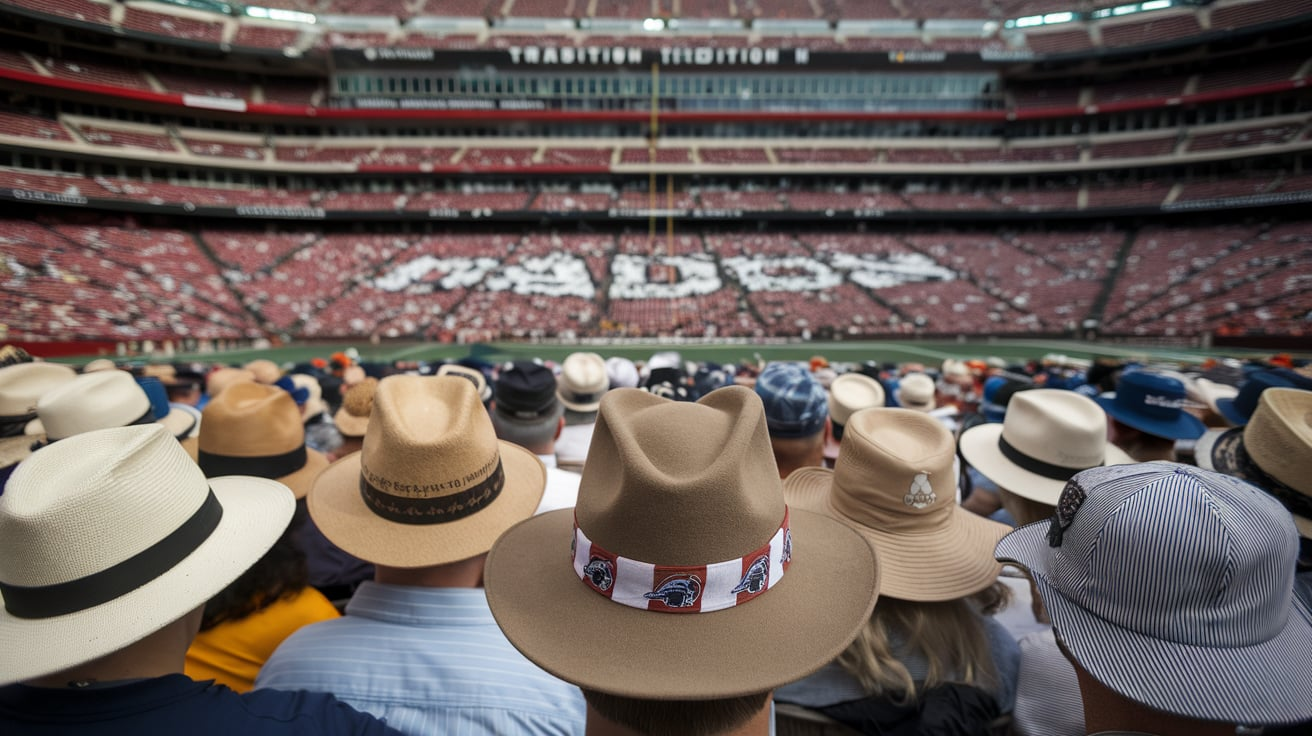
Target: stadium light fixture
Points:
(279, 14)
(1054, 18)
(1155, 5)
(653, 24)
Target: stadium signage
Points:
(255, 210)
(32, 196)
(569, 55)
(668, 56)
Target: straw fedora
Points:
(224, 377)
(473, 375)
(264, 370)
(1047, 436)
(583, 381)
(433, 483)
(352, 419)
(852, 392)
(126, 500)
(97, 400)
(895, 483)
(915, 391)
(678, 589)
(22, 384)
(254, 429)
(1272, 451)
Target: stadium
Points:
(197, 172)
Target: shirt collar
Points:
(548, 460)
(416, 606)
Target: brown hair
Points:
(1024, 510)
(677, 717)
(948, 634)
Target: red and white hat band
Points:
(683, 589)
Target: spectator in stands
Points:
(1273, 452)
(424, 500)
(692, 485)
(107, 658)
(1139, 565)
(1148, 416)
(352, 418)
(527, 411)
(583, 380)
(797, 415)
(931, 651)
(848, 394)
(255, 429)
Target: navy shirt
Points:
(178, 704)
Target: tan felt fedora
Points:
(691, 579)
(112, 534)
(254, 429)
(1047, 436)
(895, 482)
(433, 483)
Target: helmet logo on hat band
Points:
(682, 588)
(921, 494)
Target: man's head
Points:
(679, 544)
(526, 409)
(1153, 404)
(111, 535)
(432, 485)
(1185, 569)
(256, 429)
(583, 381)
(796, 413)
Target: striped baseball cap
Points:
(1173, 586)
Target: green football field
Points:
(930, 353)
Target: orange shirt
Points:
(233, 652)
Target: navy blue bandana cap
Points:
(1072, 496)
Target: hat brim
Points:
(301, 481)
(1217, 450)
(1263, 683)
(979, 446)
(255, 513)
(1184, 426)
(313, 407)
(179, 422)
(582, 408)
(566, 628)
(1226, 408)
(350, 425)
(940, 564)
(340, 512)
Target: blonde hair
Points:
(949, 635)
(677, 717)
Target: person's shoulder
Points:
(306, 712)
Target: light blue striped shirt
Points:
(429, 661)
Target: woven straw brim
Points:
(1264, 683)
(180, 423)
(979, 446)
(255, 513)
(939, 564)
(350, 425)
(340, 512)
(793, 629)
(302, 480)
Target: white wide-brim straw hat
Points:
(1047, 436)
(107, 499)
(895, 483)
(432, 484)
(695, 486)
(1173, 586)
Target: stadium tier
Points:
(699, 168)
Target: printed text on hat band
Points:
(679, 588)
(48, 601)
(429, 508)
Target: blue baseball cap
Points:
(795, 403)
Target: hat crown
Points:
(1151, 394)
(680, 483)
(98, 400)
(1279, 437)
(916, 389)
(1177, 553)
(852, 392)
(1056, 427)
(22, 384)
(895, 471)
(428, 437)
(91, 501)
(251, 420)
(583, 378)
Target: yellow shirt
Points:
(233, 652)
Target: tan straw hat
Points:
(224, 377)
(254, 429)
(895, 483)
(264, 370)
(852, 392)
(915, 391)
(352, 419)
(583, 381)
(684, 583)
(473, 375)
(1273, 451)
(433, 483)
(130, 501)
(1047, 436)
